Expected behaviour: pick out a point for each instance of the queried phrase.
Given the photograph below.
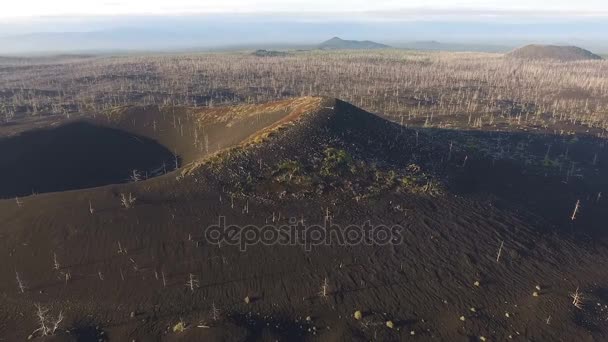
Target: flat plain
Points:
(114, 167)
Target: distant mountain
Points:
(555, 52)
(269, 53)
(433, 45)
(340, 44)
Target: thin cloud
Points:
(373, 10)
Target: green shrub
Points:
(336, 162)
(288, 169)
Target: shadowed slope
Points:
(91, 152)
(193, 133)
(72, 156)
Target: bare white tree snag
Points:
(576, 207)
(577, 299)
(134, 265)
(100, 275)
(91, 210)
(20, 283)
(500, 251)
(215, 312)
(324, 292)
(132, 199)
(56, 264)
(121, 250)
(162, 273)
(124, 201)
(192, 283)
(42, 320)
(19, 203)
(127, 201)
(135, 176)
(47, 325)
(57, 322)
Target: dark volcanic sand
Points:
(423, 285)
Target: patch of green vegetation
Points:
(391, 177)
(289, 167)
(550, 163)
(337, 162)
(292, 172)
(408, 181)
(338, 170)
(383, 180)
(180, 327)
(414, 180)
(574, 140)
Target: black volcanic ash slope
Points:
(357, 167)
(307, 160)
(337, 147)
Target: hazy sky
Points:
(23, 9)
(28, 26)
